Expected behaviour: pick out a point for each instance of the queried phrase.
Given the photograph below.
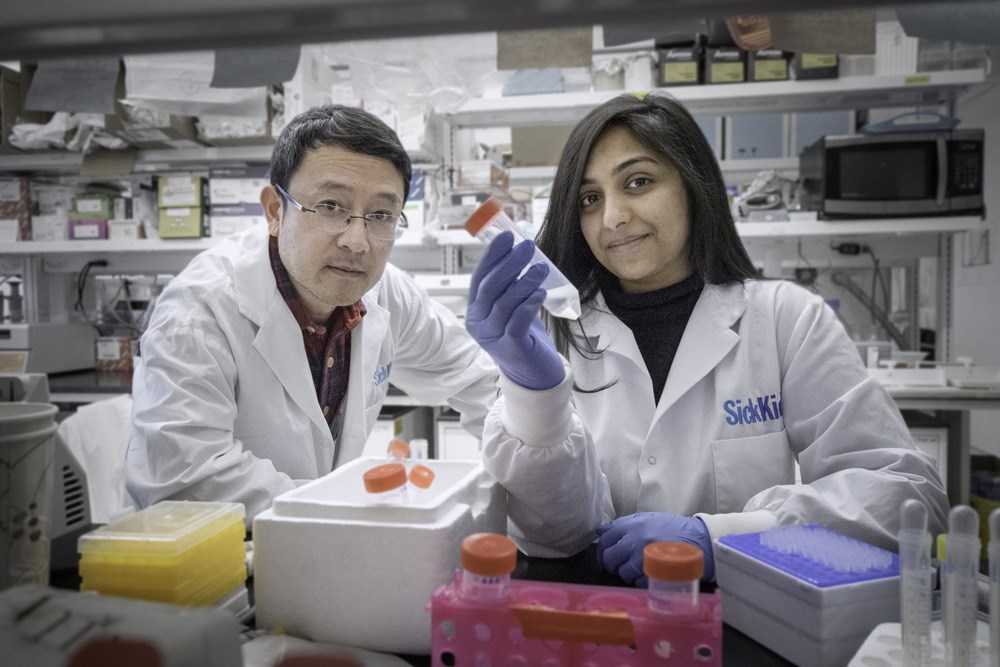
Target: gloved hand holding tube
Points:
(503, 314)
(620, 543)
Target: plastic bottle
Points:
(486, 222)
(674, 570)
(386, 483)
(487, 561)
(421, 477)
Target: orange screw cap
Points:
(421, 476)
(673, 561)
(489, 554)
(385, 477)
(399, 449)
(482, 215)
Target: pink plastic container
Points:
(543, 624)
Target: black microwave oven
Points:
(894, 174)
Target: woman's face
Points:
(634, 213)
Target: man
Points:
(267, 360)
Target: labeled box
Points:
(114, 354)
(50, 227)
(768, 65)
(125, 230)
(815, 66)
(237, 185)
(235, 218)
(182, 223)
(88, 230)
(92, 205)
(181, 190)
(16, 205)
(680, 66)
(725, 65)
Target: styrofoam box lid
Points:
(805, 579)
(341, 494)
(166, 528)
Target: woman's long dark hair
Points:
(664, 126)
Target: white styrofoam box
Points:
(806, 623)
(330, 566)
(884, 646)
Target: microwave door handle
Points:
(942, 149)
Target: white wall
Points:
(976, 314)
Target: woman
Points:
(689, 389)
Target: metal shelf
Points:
(860, 92)
(882, 227)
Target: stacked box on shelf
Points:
(179, 552)
(182, 200)
(16, 209)
(89, 214)
(234, 193)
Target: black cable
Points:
(81, 283)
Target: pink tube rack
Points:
(544, 624)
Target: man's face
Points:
(333, 269)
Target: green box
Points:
(768, 65)
(92, 206)
(183, 223)
(680, 66)
(181, 190)
(816, 65)
(726, 65)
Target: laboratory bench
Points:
(583, 568)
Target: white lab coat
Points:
(571, 460)
(225, 405)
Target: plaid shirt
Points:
(327, 345)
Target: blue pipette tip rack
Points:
(808, 593)
(816, 555)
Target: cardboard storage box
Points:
(237, 185)
(232, 219)
(183, 190)
(114, 353)
(88, 230)
(725, 65)
(16, 205)
(182, 223)
(815, 66)
(680, 66)
(768, 65)
(331, 566)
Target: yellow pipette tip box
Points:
(183, 552)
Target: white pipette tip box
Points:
(807, 593)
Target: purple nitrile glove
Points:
(620, 544)
(503, 314)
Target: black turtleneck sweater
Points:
(657, 320)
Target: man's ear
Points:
(272, 203)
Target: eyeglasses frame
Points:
(401, 223)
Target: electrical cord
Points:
(81, 283)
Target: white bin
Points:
(330, 566)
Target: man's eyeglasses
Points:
(333, 219)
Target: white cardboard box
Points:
(330, 566)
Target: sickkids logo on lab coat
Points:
(382, 374)
(754, 410)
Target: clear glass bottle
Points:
(674, 570)
(489, 220)
(386, 483)
(488, 559)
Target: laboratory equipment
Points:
(182, 552)
(808, 593)
(47, 347)
(995, 588)
(959, 573)
(484, 618)
(46, 627)
(915, 583)
(71, 506)
(331, 566)
(884, 646)
(489, 220)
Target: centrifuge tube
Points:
(674, 570)
(487, 561)
(386, 483)
(398, 450)
(561, 297)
